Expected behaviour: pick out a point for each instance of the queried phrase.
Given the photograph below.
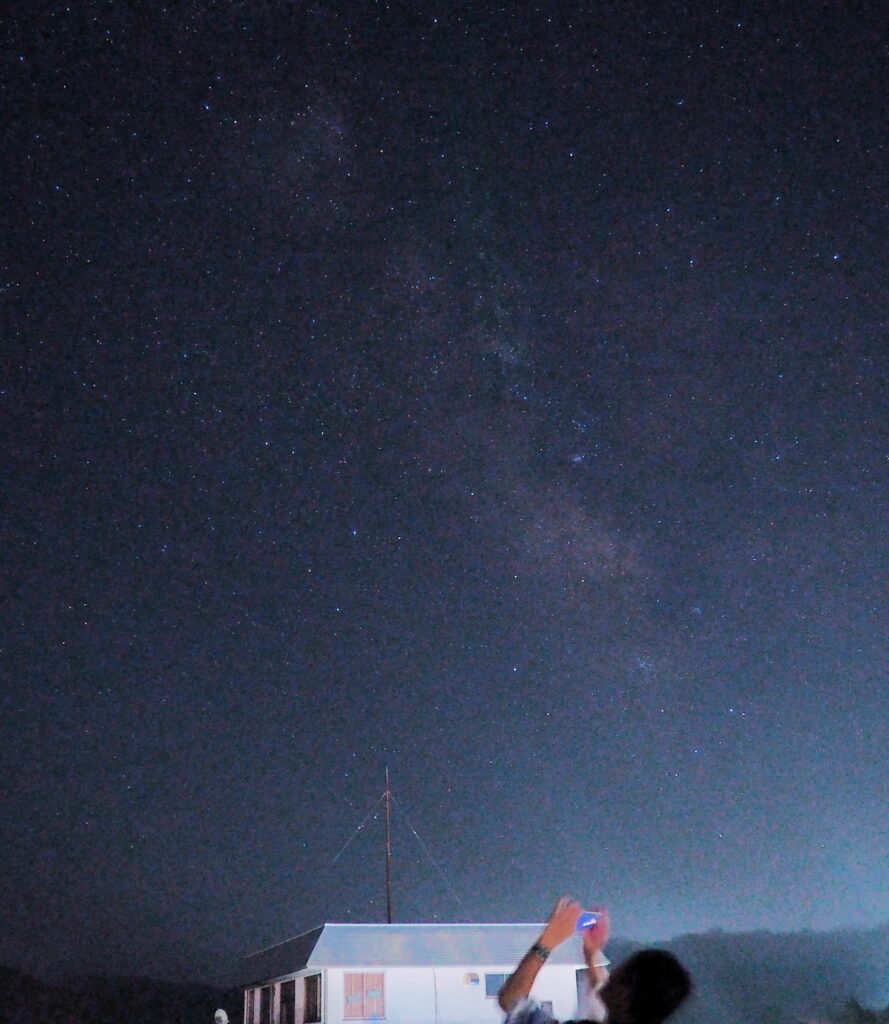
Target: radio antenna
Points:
(388, 795)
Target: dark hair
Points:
(646, 988)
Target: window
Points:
(288, 1003)
(265, 1005)
(313, 999)
(250, 1014)
(364, 997)
(493, 984)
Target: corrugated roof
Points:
(407, 945)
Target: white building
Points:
(404, 974)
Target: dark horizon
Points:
(859, 952)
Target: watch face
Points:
(586, 920)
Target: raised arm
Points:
(594, 940)
(560, 927)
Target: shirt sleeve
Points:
(527, 1011)
(589, 1004)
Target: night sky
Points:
(493, 393)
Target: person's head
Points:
(220, 1017)
(646, 988)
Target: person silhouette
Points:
(645, 989)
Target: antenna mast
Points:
(388, 796)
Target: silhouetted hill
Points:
(102, 1000)
(741, 978)
(25, 1000)
(768, 978)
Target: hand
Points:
(595, 938)
(562, 922)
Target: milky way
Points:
(495, 395)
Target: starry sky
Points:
(496, 393)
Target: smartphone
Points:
(586, 920)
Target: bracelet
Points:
(540, 951)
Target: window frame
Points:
(266, 1004)
(250, 1009)
(307, 1006)
(502, 981)
(287, 1002)
(371, 981)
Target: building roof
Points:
(407, 945)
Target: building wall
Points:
(426, 995)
